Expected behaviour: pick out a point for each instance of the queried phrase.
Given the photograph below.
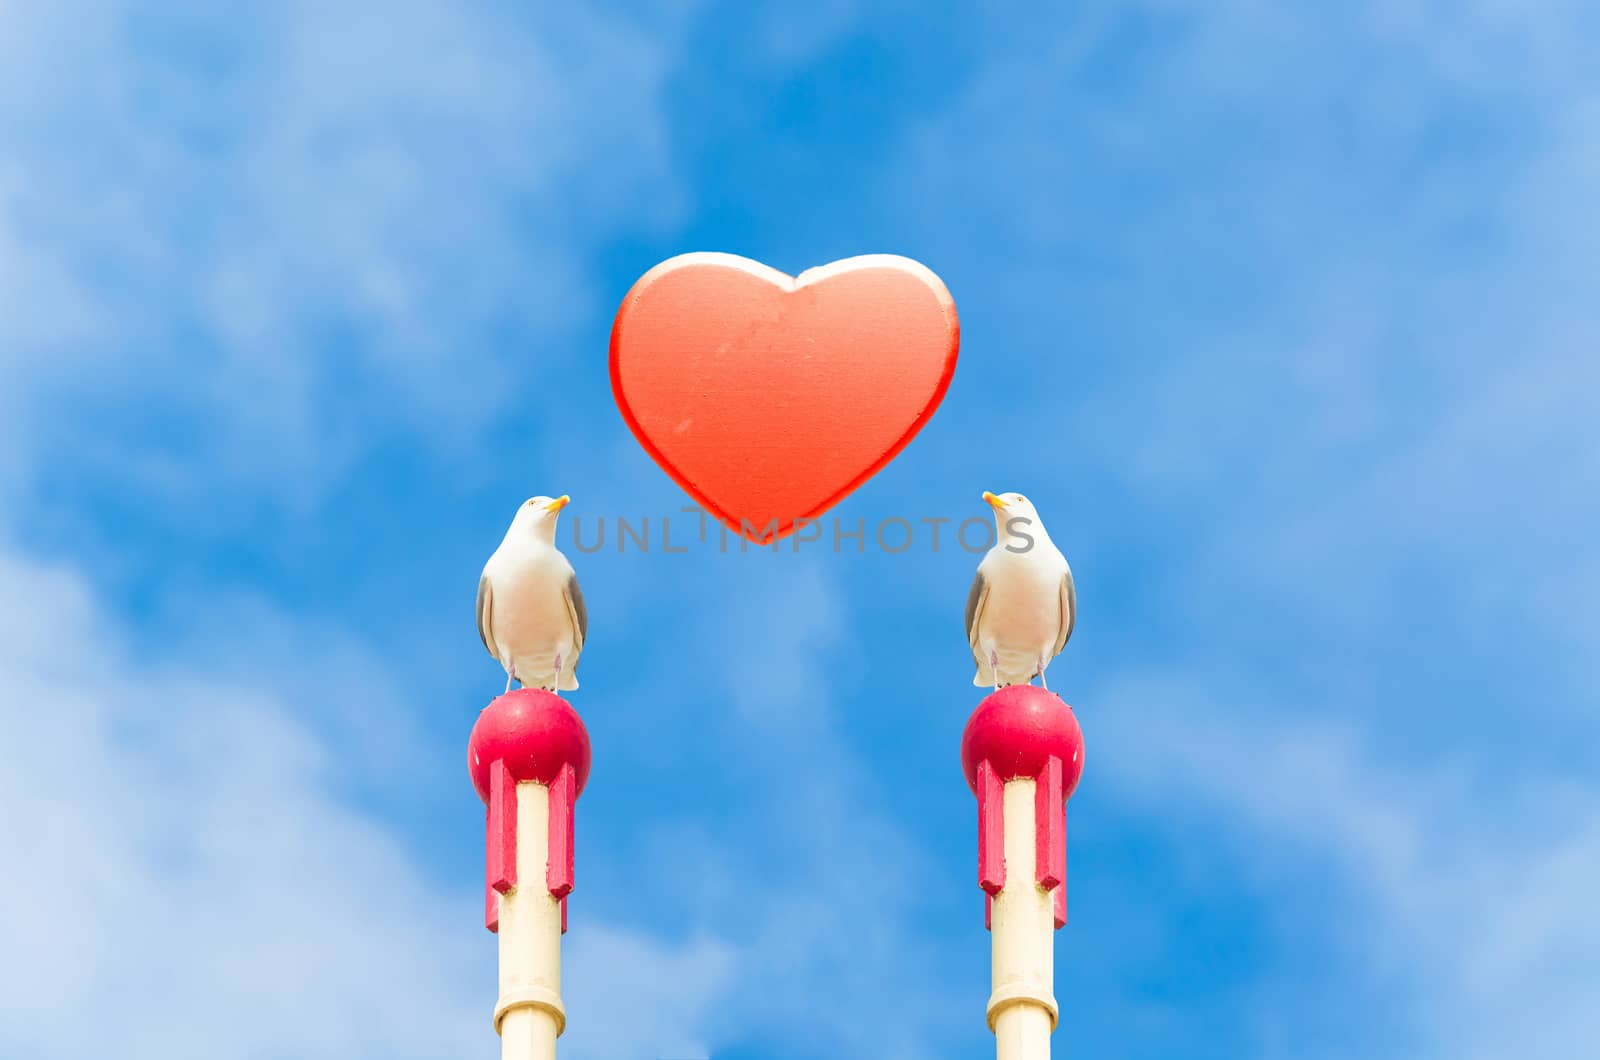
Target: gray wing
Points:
(977, 596)
(1069, 610)
(576, 608)
(485, 611)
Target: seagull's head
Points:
(537, 516)
(1016, 520)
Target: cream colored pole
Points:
(529, 1014)
(1022, 1006)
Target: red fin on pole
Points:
(991, 830)
(500, 842)
(502, 838)
(559, 866)
(1049, 820)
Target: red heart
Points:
(769, 397)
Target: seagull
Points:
(1022, 606)
(530, 611)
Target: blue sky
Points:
(1286, 318)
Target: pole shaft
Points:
(1022, 1008)
(529, 1014)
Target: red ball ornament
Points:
(534, 733)
(1016, 730)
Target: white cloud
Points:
(181, 876)
(1460, 882)
(178, 878)
(297, 231)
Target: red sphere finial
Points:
(534, 733)
(1016, 730)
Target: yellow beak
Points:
(558, 504)
(994, 502)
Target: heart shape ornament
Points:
(769, 398)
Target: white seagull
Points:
(530, 612)
(1022, 606)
